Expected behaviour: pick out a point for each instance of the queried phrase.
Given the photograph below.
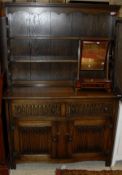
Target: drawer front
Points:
(32, 108)
(90, 108)
(68, 108)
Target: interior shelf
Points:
(39, 59)
(46, 37)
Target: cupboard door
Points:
(92, 137)
(32, 137)
(62, 139)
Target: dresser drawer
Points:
(90, 108)
(53, 108)
(38, 108)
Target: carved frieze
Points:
(48, 109)
(87, 108)
(55, 109)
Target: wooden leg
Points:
(108, 163)
(13, 165)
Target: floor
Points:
(49, 168)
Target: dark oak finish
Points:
(3, 163)
(118, 57)
(55, 124)
(48, 118)
(3, 160)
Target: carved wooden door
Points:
(92, 137)
(92, 128)
(31, 137)
(62, 139)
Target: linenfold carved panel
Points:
(55, 109)
(34, 140)
(89, 133)
(90, 108)
(42, 109)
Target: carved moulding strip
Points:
(90, 109)
(48, 109)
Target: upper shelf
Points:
(41, 59)
(59, 38)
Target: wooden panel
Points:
(92, 137)
(61, 23)
(20, 48)
(31, 108)
(39, 21)
(40, 48)
(62, 139)
(32, 137)
(85, 139)
(53, 71)
(59, 48)
(18, 23)
(33, 23)
(118, 58)
(19, 71)
(98, 25)
(90, 108)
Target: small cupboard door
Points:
(92, 137)
(62, 139)
(32, 137)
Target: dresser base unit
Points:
(60, 126)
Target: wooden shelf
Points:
(34, 83)
(44, 59)
(47, 92)
(49, 37)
